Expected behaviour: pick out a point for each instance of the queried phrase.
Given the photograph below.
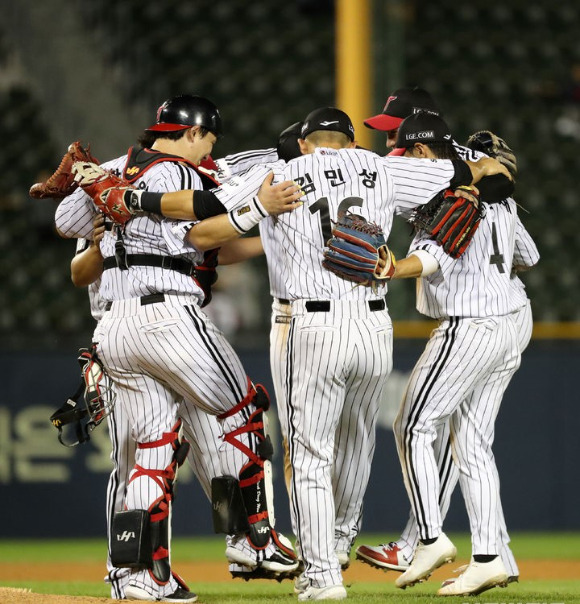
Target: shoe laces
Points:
(391, 545)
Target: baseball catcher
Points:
(62, 182)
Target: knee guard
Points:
(255, 477)
(150, 545)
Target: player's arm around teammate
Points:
(87, 267)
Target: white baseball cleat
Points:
(385, 556)
(277, 557)
(330, 592)
(475, 579)
(427, 558)
(133, 592)
(301, 584)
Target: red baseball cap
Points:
(401, 104)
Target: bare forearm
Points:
(408, 267)
(212, 232)
(86, 267)
(486, 166)
(239, 250)
(178, 205)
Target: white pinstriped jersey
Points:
(147, 234)
(479, 283)
(115, 282)
(236, 163)
(275, 255)
(529, 251)
(334, 181)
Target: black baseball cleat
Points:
(180, 595)
(248, 574)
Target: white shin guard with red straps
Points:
(255, 476)
(151, 487)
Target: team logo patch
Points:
(391, 98)
(419, 135)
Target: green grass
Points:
(526, 546)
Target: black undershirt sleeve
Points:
(206, 204)
(492, 189)
(462, 174)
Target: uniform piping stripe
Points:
(445, 470)
(213, 351)
(291, 431)
(185, 177)
(419, 403)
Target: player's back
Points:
(333, 181)
(478, 284)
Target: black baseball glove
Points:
(450, 220)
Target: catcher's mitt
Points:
(353, 252)
(494, 146)
(450, 220)
(62, 183)
(110, 193)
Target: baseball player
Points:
(348, 512)
(328, 314)
(160, 349)
(396, 555)
(203, 434)
(461, 376)
(223, 169)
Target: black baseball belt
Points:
(168, 262)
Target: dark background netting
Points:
(513, 68)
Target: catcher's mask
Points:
(98, 396)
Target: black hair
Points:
(148, 138)
(443, 150)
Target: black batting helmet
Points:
(185, 111)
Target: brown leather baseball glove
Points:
(62, 182)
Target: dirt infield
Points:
(217, 571)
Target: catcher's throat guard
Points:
(93, 400)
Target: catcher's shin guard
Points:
(160, 509)
(255, 477)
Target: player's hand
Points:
(386, 264)
(280, 198)
(98, 228)
(469, 192)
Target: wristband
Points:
(146, 201)
(248, 216)
(428, 262)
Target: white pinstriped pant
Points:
(337, 365)
(461, 377)
(159, 355)
(449, 473)
(345, 486)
